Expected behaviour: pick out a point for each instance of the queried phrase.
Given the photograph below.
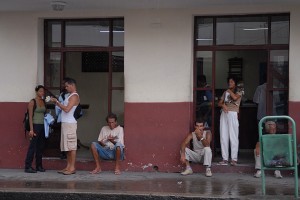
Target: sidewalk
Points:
(15, 184)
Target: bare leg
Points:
(187, 164)
(72, 160)
(68, 161)
(118, 157)
(97, 160)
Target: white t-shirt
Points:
(260, 98)
(106, 131)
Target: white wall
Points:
(158, 51)
(294, 64)
(18, 56)
(158, 56)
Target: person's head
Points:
(232, 82)
(40, 91)
(63, 87)
(199, 124)
(201, 80)
(111, 120)
(70, 85)
(270, 127)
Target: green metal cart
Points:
(278, 151)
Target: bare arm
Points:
(207, 140)
(222, 105)
(184, 144)
(233, 95)
(30, 112)
(73, 101)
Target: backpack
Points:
(78, 112)
(26, 124)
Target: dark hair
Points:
(233, 78)
(39, 87)
(70, 81)
(202, 78)
(200, 121)
(111, 116)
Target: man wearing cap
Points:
(270, 127)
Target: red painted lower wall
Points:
(153, 134)
(294, 108)
(13, 145)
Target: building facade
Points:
(154, 94)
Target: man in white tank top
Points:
(68, 140)
(201, 149)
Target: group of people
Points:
(229, 133)
(110, 142)
(200, 138)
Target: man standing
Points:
(260, 98)
(110, 144)
(201, 148)
(63, 95)
(68, 140)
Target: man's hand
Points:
(199, 133)
(53, 99)
(112, 138)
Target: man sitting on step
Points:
(110, 144)
(201, 149)
(270, 127)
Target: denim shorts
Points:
(106, 153)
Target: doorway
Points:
(92, 52)
(253, 48)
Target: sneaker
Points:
(223, 162)
(187, 172)
(233, 163)
(277, 174)
(257, 174)
(208, 172)
(30, 170)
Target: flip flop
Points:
(69, 172)
(95, 171)
(61, 171)
(117, 172)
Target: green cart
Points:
(278, 151)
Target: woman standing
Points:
(36, 109)
(229, 124)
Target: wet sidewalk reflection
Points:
(223, 185)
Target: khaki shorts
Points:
(68, 138)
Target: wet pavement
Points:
(15, 184)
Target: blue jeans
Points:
(106, 153)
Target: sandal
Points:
(69, 172)
(95, 171)
(117, 172)
(61, 171)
